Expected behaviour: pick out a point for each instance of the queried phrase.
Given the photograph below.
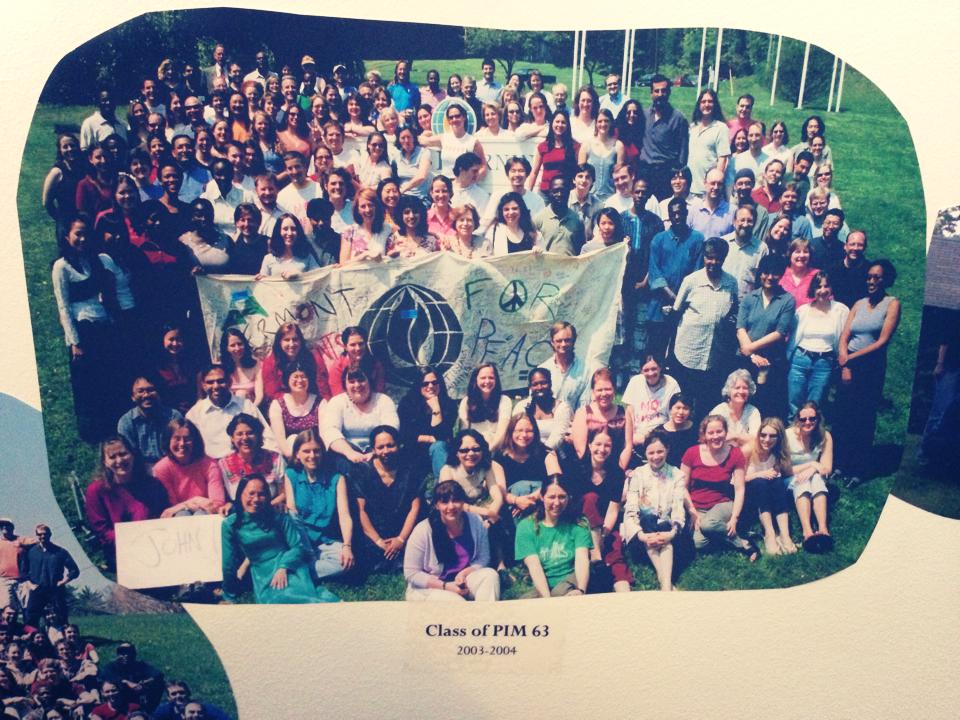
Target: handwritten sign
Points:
(174, 551)
(441, 310)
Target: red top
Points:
(555, 161)
(106, 506)
(273, 378)
(760, 197)
(711, 484)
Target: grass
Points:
(171, 643)
(873, 151)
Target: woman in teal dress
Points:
(279, 562)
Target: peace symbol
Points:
(514, 296)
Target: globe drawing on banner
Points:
(411, 326)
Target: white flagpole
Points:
(703, 50)
(633, 46)
(576, 53)
(803, 76)
(833, 81)
(716, 64)
(776, 71)
(843, 70)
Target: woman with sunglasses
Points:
(811, 457)
(429, 415)
(768, 468)
(456, 141)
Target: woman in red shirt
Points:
(557, 155)
(714, 471)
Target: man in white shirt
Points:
(223, 195)
(218, 407)
(266, 189)
(488, 89)
(622, 199)
(262, 72)
(339, 189)
(517, 170)
(614, 100)
(568, 373)
(753, 158)
(466, 170)
(301, 190)
(102, 124)
(746, 250)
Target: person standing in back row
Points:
(666, 139)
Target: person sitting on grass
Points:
(555, 544)
(654, 512)
(448, 553)
(811, 453)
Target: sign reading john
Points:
(441, 310)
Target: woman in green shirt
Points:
(555, 544)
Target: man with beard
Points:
(706, 306)
(745, 251)
(743, 185)
(674, 254)
(300, 190)
(666, 140)
(142, 426)
(137, 681)
(101, 124)
(790, 207)
(712, 215)
(827, 249)
(213, 413)
(848, 278)
(266, 202)
(559, 225)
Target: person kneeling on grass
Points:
(448, 553)
(653, 512)
(555, 544)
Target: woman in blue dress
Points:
(279, 561)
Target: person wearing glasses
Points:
(811, 457)
(456, 141)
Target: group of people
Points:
(744, 288)
(48, 670)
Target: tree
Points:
(504, 46)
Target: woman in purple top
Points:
(447, 554)
(120, 492)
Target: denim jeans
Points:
(808, 379)
(438, 456)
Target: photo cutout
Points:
(322, 320)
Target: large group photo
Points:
(515, 315)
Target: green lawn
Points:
(870, 142)
(172, 643)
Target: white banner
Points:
(441, 310)
(173, 551)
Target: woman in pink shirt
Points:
(192, 480)
(796, 280)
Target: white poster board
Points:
(172, 551)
